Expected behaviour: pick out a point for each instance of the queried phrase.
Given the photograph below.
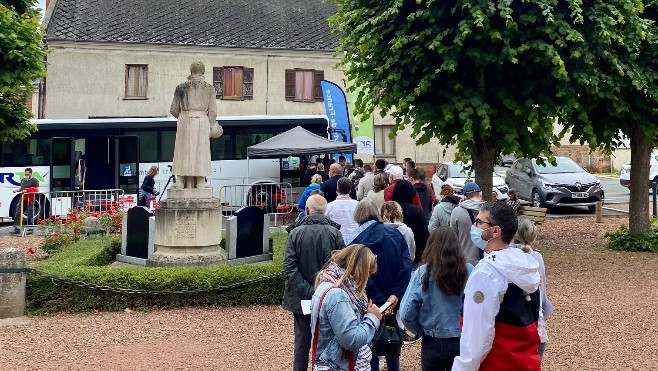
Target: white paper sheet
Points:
(306, 307)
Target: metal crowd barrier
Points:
(273, 198)
(35, 206)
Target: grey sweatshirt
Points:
(461, 223)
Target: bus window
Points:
(30, 152)
(247, 138)
(148, 151)
(221, 148)
(168, 138)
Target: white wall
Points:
(86, 79)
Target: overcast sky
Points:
(42, 5)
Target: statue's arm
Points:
(175, 104)
(212, 106)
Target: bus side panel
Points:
(10, 179)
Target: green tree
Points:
(22, 56)
(617, 86)
(482, 75)
(486, 76)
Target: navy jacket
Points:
(329, 188)
(393, 262)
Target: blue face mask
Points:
(476, 237)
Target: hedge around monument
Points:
(88, 261)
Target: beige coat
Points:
(194, 106)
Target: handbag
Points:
(316, 332)
(388, 338)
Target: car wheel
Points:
(537, 200)
(501, 162)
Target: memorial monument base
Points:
(188, 229)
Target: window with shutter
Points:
(218, 81)
(317, 88)
(290, 85)
(233, 83)
(136, 81)
(248, 83)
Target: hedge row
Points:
(88, 261)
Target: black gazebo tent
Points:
(297, 141)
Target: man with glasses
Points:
(501, 299)
(463, 217)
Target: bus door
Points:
(127, 164)
(62, 174)
(62, 164)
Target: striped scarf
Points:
(333, 273)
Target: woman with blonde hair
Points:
(147, 190)
(526, 234)
(391, 214)
(343, 320)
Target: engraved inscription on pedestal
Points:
(185, 227)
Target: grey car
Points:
(566, 184)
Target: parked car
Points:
(625, 172)
(506, 159)
(565, 184)
(456, 174)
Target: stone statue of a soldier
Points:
(194, 106)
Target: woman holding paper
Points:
(343, 320)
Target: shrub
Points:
(87, 261)
(625, 240)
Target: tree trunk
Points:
(483, 154)
(641, 145)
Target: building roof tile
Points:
(270, 24)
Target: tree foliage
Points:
(617, 86)
(486, 76)
(22, 62)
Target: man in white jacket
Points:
(501, 305)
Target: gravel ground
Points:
(30, 245)
(604, 320)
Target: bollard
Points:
(598, 212)
(653, 196)
(12, 285)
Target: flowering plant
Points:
(59, 233)
(62, 232)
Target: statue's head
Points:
(197, 68)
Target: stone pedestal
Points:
(12, 285)
(188, 229)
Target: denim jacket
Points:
(341, 327)
(432, 312)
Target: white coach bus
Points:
(116, 153)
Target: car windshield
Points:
(564, 165)
(463, 171)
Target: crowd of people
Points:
(456, 272)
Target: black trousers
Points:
(302, 342)
(438, 354)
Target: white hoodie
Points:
(483, 294)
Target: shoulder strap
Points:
(316, 333)
(470, 214)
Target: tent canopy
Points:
(298, 141)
